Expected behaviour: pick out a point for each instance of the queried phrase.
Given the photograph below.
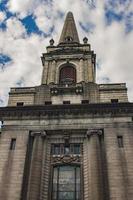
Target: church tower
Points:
(68, 138)
(69, 67)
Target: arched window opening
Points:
(67, 75)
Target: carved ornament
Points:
(66, 159)
(93, 132)
(38, 133)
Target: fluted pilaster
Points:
(92, 165)
(36, 166)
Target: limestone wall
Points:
(25, 95)
(113, 163)
(12, 164)
(113, 91)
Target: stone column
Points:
(80, 71)
(90, 71)
(52, 71)
(94, 164)
(36, 166)
(86, 70)
(46, 167)
(45, 73)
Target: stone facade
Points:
(96, 117)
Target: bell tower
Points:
(70, 66)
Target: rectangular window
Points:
(76, 148)
(13, 144)
(66, 102)
(48, 102)
(66, 182)
(56, 149)
(85, 101)
(66, 149)
(120, 141)
(20, 103)
(114, 100)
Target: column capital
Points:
(93, 132)
(38, 133)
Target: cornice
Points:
(69, 51)
(54, 111)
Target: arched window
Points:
(67, 75)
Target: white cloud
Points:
(15, 29)
(25, 52)
(2, 16)
(22, 7)
(111, 44)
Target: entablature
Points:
(69, 56)
(42, 111)
(69, 47)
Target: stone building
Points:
(68, 138)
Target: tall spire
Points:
(69, 32)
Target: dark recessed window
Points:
(20, 103)
(114, 100)
(85, 101)
(48, 102)
(13, 144)
(76, 148)
(66, 102)
(68, 39)
(66, 149)
(120, 141)
(67, 75)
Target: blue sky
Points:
(27, 26)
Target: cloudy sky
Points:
(26, 26)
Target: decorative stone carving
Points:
(51, 42)
(85, 40)
(66, 159)
(38, 133)
(54, 91)
(93, 132)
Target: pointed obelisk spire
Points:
(69, 32)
